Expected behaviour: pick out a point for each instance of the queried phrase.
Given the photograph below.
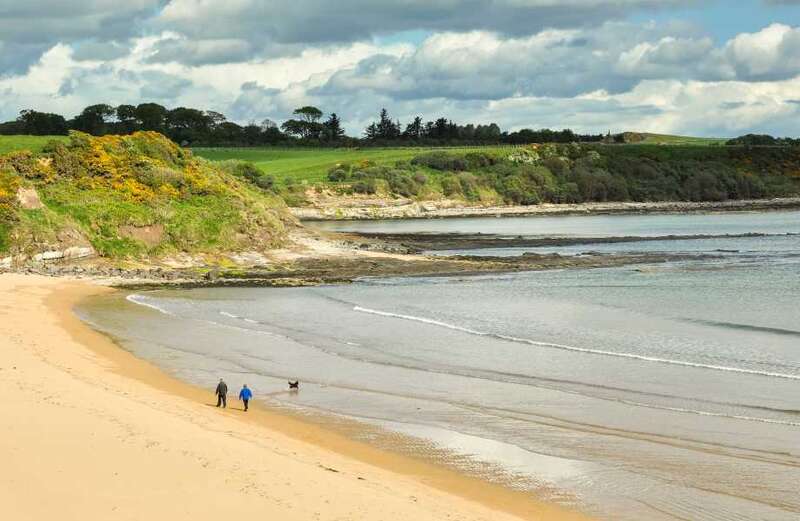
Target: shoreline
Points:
(438, 210)
(49, 347)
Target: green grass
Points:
(32, 143)
(312, 164)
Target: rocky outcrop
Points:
(72, 253)
(28, 199)
(438, 209)
(67, 255)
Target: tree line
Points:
(308, 126)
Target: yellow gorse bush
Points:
(140, 167)
(9, 184)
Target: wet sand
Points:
(90, 432)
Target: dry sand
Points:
(89, 432)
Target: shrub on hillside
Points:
(442, 161)
(337, 175)
(22, 162)
(451, 186)
(366, 186)
(243, 169)
(469, 186)
(402, 183)
(265, 182)
(9, 184)
(159, 176)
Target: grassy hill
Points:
(130, 197)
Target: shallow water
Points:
(669, 391)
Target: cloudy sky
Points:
(700, 67)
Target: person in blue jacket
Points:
(244, 395)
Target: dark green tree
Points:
(94, 119)
(41, 123)
(333, 128)
(414, 129)
(152, 116)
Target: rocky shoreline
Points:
(422, 242)
(338, 258)
(405, 209)
(341, 270)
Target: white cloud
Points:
(252, 60)
(771, 53)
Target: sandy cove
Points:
(89, 432)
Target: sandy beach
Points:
(89, 432)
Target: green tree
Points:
(152, 116)
(333, 128)
(41, 123)
(94, 119)
(126, 118)
(309, 114)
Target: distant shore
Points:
(91, 432)
(405, 209)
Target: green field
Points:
(32, 143)
(312, 164)
(666, 139)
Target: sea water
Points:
(667, 391)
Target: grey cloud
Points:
(100, 51)
(279, 26)
(730, 105)
(255, 103)
(614, 57)
(219, 32)
(16, 57)
(200, 52)
(38, 25)
(158, 85)
(67, 87)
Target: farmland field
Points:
(32, 143)
(666, 139)
(312, 164)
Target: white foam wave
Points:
(600, 352)
(141, 300)
(713, 414)
(243, 319)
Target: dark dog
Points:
(294, 386)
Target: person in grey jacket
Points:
(222, 393)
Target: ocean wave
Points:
(747, 327)
(709, 413)
(563, 347)
(141, 300)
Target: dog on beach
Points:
(294, 386)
